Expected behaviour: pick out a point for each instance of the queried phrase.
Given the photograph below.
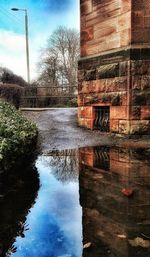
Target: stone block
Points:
(103, 32)
(86, 7)
(100, 86)
(145, 82)
(147, 21)
(96, 47)
(140, 98)
(85, 112)
(114, 126)
(90, 99)
(86, 35)
(118, 112)
(125, 6)
(85, 87)
(112, 42)
(138, 5)
(124, 156)
(90, 74)
(135, 113)
(124, 127)
(124, 21)
(87, 123)
(120, 168)
(125, 37)
(123, 69)
(136, 82)
(140, 127)
(140, 36)
(117, 84)
(94, 86)
(138, 19)
(83, 50)
(86, 156)
(83, 22)
(114, 154)
(145, 113)
(110, 98)
(115, 100)
(123, 99)
(108, 71)
(141, 67)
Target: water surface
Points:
(94, 196)
(54, 222)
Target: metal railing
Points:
(47, 96)
(101, 121)
(102, 158)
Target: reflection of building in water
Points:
(115, 224)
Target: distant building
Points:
(114, 69)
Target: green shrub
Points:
(11, 93)
(17, 135)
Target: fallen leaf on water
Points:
(138, 241)
(127, 191)
(87, 245)
(122, 236)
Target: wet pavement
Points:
(58, 129)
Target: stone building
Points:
(114, 68)
(114, 195)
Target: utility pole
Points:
(27, 41)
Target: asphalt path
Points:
(58, 130)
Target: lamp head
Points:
(14, 9)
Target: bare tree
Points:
(58, 65)
(64, 164)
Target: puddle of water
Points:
(54, 222)
(18, 191)
(112, 186)
(115, 199)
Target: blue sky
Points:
(44, 17)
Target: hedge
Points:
(11, 93)
(17, 136)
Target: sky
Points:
(44, 16)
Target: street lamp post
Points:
(27, 41)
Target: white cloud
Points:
(12, 41)
(13, 53)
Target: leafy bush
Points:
(17, 135)
(8, 77)
(11, 93)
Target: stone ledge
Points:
(130, 53)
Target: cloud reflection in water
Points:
(55, 221)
